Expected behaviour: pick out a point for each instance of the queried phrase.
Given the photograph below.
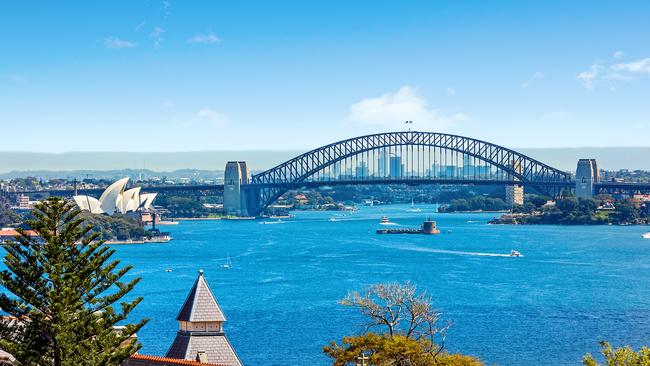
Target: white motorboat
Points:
(384, 220)
(514, 253)
(646, 235)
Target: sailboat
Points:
(413, 208)
(228, 264)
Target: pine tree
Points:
(63, 288)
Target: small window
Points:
(202, 357)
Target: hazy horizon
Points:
(610, 158)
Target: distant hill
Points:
(152, 161)
(57, 165)
(609, 158)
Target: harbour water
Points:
(573, 287)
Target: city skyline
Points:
(298, 75)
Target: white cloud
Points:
(140, 25)
(166, 6)
(640, 66)
(210, 116)
(535, 76)
(157, 35)
(619, 54)
(619, 71)
(204, 38)
(114, 42)
(392, 109)
(587, 77)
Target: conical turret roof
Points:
(200, 305)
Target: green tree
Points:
(537, 200)
(624, 356)
(407, 328)
(567, 205)
(626, 211)
(64, 288)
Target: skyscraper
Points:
(382, 164)
(396, 167)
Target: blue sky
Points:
(189, 75)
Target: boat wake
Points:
(388, 223)
(272, 222)
(456, 252)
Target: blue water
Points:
(574, 286)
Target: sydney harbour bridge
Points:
(406, 157)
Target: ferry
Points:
(514, 253)
(384, 221)
(646, 235)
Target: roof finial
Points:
(200, 272)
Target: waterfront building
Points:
(22, 202)
(515, 192)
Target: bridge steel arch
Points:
(266, 187)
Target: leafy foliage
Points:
(64, 289)
(8, 217)
(410, 334)
(397, 350)
(569, 210)
(478, 203)
(181, 206)
(624, 356)
(116, 227)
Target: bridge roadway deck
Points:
(313, 184)
(407, 181)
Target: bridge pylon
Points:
(587, 174)
(234, 197)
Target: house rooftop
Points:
(200, 305)
(144, 360)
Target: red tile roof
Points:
(12, 233)
(144, 360)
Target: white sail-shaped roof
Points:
(115, 198)
(109, 199)
(132, 197)
(88, 203)
(147, 199)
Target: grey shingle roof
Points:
(216, 347)
(200, 305)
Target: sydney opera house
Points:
(116, 199)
